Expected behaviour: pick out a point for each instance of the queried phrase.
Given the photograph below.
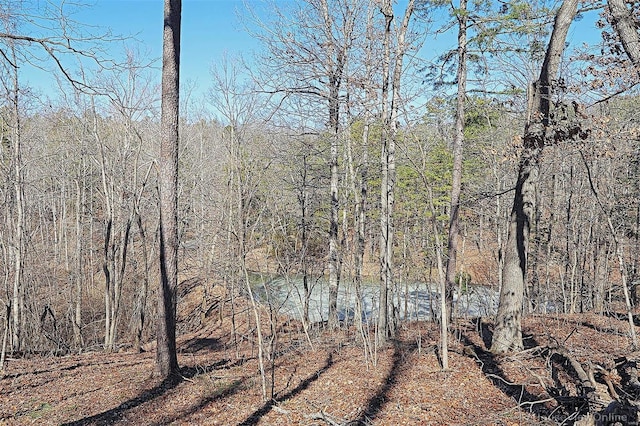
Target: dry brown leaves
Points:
(330, 383)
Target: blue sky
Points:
(209, 29)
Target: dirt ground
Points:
(323, 379)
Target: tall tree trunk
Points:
(119, 267)
(141, 302)
(444, 331)
(337, 56)
(107, 254)
(18, 302)
(334, 276)
(303, 201)
(458, 143)
(507, 335)
(386, 327)
(166, 357)
(360, 186)
(385, 213)
(78, 276)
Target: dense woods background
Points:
(327, 154)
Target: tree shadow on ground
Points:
(484, 330)
(622, 316)
(219, 393)
(75, 366)
(199, 344)
(379, 399)
(115, 414)
(607, 330)
(491, 368)
(255, 417)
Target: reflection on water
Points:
(412, 301)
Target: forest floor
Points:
(325, 378)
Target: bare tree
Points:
(17, 246)
(307, 56)
(58, 38)
(619, 254)
(391, 98)
(55, 43)
(239, 108)
(360, 192)
(166, 356)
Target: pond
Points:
(412, 301)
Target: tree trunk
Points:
(334, 277)
(303, 200)
(458, 143)
(386, 326)
(337, 56)
(166, 357)
(626, 27)
(385, 201)
(108, 269)
(508, 333)
(360, 189)
(18, 302)
(444, 329)
(78, 276)
(141, 302)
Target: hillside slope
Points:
(326, 379)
